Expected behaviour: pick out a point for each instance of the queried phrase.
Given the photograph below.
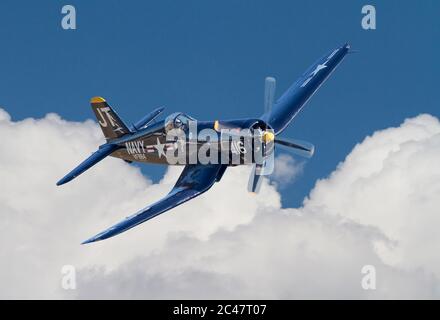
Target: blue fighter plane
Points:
(146, 141)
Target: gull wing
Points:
(292, 101)
(194, 180)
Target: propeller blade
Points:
(255, 179)
(269, 94)
(301, 148)
(258, 172)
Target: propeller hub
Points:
(268, 136)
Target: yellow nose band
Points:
(217, 126)
(268, 136)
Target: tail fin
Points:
(112, 126)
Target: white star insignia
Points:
(159, 147)
(318, 68)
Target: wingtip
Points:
(87, 241)
(100, 236)
(65, 180)
(61, 182)
(347, 46)
(91, 240)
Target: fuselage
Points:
(196, 141)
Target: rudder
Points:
(112, 126)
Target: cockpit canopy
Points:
(177, 120)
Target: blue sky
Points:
(209, 59)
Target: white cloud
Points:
(286, 169)
(392, 181)
(379, 207)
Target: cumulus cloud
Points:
(379, 207)
(392, 180)
(286, 169)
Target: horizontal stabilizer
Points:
(97, 156)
